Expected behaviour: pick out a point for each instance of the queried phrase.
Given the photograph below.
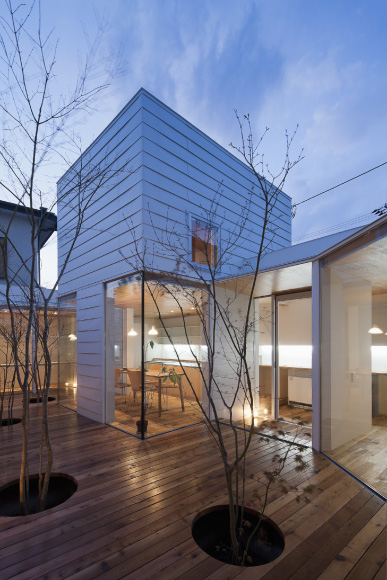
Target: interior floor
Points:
(128, 411)
(291, 413)
(365, 456)
(296, 414)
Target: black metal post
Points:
(142, 355)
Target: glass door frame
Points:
(276, 299)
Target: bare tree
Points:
(225, 307)
(38, 123)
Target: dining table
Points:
(159, 379)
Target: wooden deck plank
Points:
(131, 515)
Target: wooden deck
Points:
(128, 411)
(366, 455)
(131, 515)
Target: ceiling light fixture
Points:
(153, 331)
(132, 332)
(375, 330)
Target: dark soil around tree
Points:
(60, 489)
(40, 399)
(9, 421)
(210, 530)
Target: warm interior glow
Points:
(375, 330)
(265, 411)
(72, 337)
(132, 332)
(153, 331)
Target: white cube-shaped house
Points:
(151, 196)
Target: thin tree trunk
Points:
(24, 475)
(233, 536)
(46, 480)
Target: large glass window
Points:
(67, 347)
(37, 356)
(290, 398)
(354, 360)
(294, 375)
(154, 355)
(123, 358)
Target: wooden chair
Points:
(117, 385)
(135, 382)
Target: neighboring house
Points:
(318, 305)
(15, 261)
(15, 234)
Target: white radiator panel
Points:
(300, 390)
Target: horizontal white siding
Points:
(177, 169)
(90, 352)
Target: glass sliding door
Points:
(67, 351)
(294, 357)
(354, 360)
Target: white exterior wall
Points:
(91, 352)
(227, 361)
(168, 170)
(20, 236)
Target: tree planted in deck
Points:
(38, 121)
(198, 286)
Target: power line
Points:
(349, 223)
(335, 186)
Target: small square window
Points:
(204, 238)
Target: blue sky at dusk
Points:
(321, 65)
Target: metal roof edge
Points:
(355, 235)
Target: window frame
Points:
(214, 226)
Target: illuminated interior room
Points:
(166, 339)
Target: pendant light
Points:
(375, 330)
(153, 331)
(132, 332)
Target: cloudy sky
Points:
(321, 65)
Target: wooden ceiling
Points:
(169, 299)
